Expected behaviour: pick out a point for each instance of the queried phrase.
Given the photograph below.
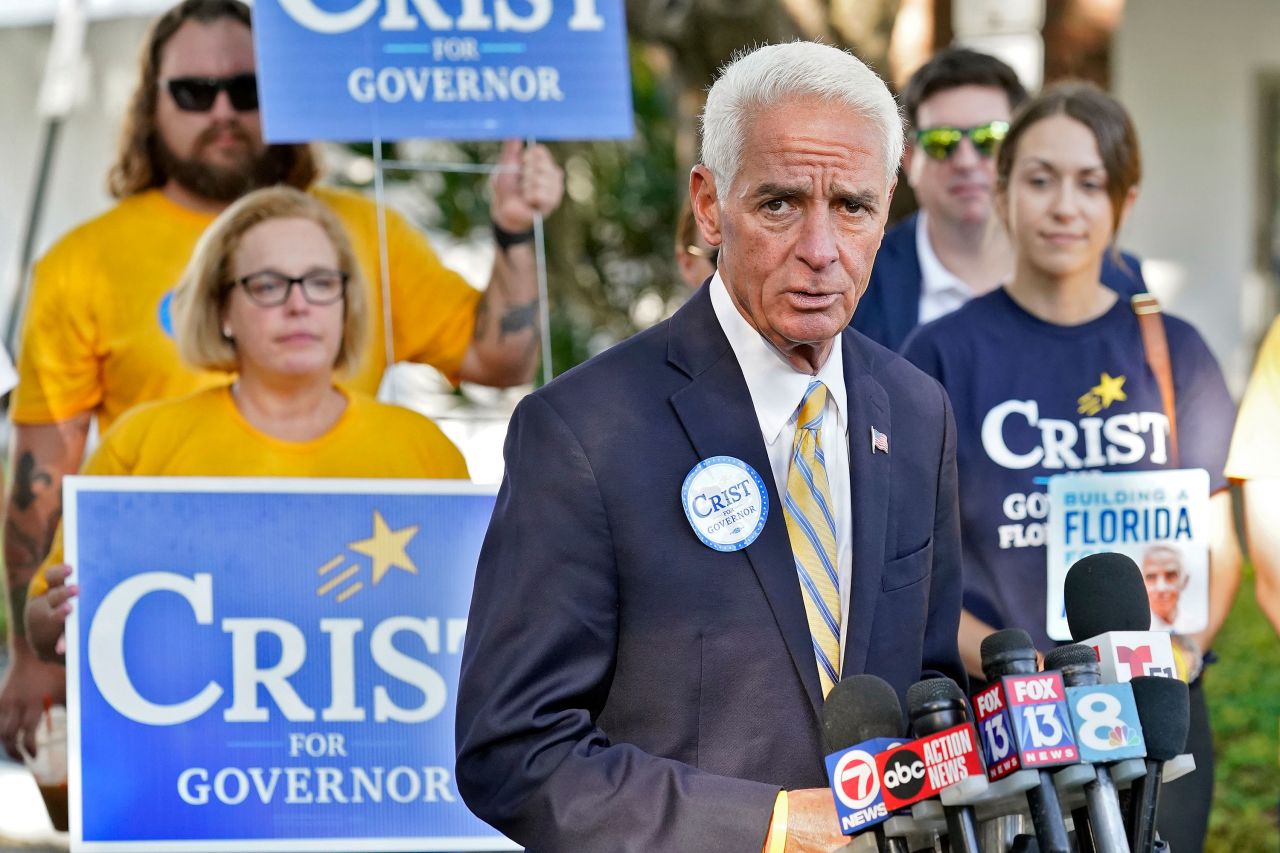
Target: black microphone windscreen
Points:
(932, 694)
(1072, 655)
(1105, 592)
(858, 708)
(1164, 709)
(1003, 648)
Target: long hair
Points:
(138, 167)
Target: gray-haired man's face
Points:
(799, 226)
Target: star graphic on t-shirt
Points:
(1109, 389)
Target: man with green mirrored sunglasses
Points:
(959, 105)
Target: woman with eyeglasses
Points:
(272, 295)
(1049, 374)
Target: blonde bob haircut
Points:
(201, 296)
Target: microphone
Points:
(946, 755)
(861, 719)
(1164, 709)
(1108, 609)
(1105, 720)
(1024, 722)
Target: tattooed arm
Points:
(506, 336)
(42, 455)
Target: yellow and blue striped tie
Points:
(812, 529)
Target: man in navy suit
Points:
(704, 527)
(958, 106)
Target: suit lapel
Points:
(716, 412)
(869, 482)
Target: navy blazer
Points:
(626, 688)
(890, 309)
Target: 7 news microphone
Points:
(874, 773)
(1023, 719)
(861, 719)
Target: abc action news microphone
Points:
(1105, 720)
(1024, 722)
(944, 755)
(1108, 609)
(861, 719)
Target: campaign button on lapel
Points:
(726, 503)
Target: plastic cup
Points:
(49, 764)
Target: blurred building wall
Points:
(1191, 73)
(77, 184)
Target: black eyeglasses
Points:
(197, 94)
(271, 289)
(941, 142)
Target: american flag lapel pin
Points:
(879, 441)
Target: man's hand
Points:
(46, 615)
(28, 687)
(812, 825)
(505, 342)
(532, 183)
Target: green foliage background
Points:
(1243, 690)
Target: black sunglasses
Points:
(197, 94)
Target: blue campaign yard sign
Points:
(354, 70)
(269, 664)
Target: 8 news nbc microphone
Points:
(1089, 733)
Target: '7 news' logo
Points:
(856, 784)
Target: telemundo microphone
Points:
(1105, 719)
(1108, 609)
(944, 760)
(1024, 722)
(861, 719)
(1164, 708)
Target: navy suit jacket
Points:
(890, 309)
(626, 688)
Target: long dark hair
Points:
(138, 165)
(1106, 119)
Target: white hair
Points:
(768, 75)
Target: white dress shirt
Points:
(776, 391)
(941, 291)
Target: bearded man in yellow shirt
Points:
(97, 336)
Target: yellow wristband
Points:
(778, 825)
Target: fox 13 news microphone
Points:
(1024, 722)
(1105, 719)
(1108, 609)
(1164, 707)
(861, 719)
(944, 754)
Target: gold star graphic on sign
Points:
(387, 547)
(1109, 389)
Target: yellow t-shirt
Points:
(204, 435)
(1255, 453)
(97, 334)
